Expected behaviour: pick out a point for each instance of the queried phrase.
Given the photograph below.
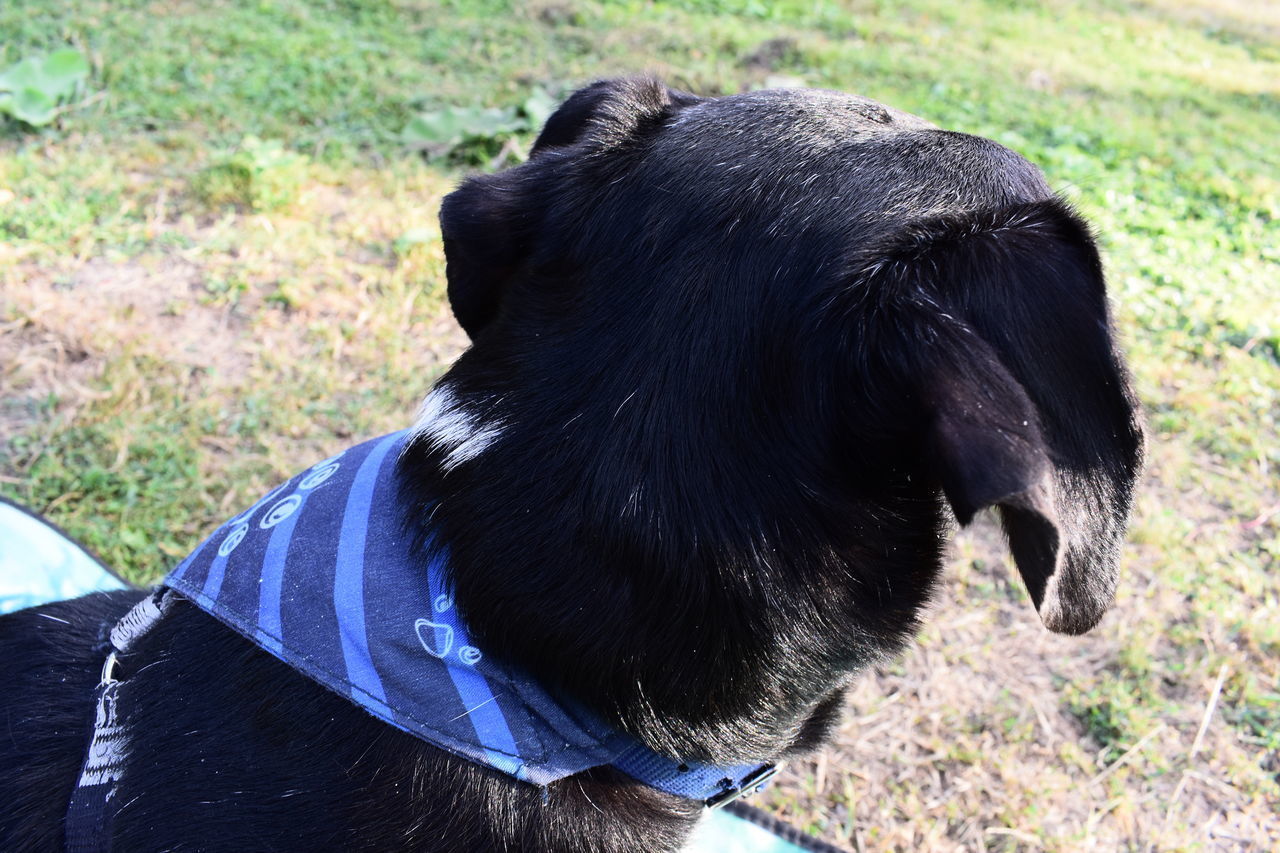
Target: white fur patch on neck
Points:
(449, 428)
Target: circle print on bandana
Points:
(319, 474)
(234, 538)
(280, 512)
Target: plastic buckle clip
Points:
(752, 782)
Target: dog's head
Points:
(760, 344)
(827, 272)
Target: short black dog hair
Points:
(738, 366)
(734, 359)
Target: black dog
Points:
(736, 365)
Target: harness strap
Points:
(93, 807)
(141, 619)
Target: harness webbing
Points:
(93, 802)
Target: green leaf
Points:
(438, 128)
(65, 69)
(31, 88)
(22, 74)
(538, 107)
(32, 106)
(480, 123)
(451, 126)
(414, 237)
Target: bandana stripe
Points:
(348, 583)
(272, 579)
(213, 580)
(483, 710)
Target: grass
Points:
(187, 315)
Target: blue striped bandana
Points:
(323, 574)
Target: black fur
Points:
(744, 360)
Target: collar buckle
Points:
(750, 784)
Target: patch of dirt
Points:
(158, 304)
(35, 366)
(59, 329)
(78, 318)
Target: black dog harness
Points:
(93, 802)
(323, 574)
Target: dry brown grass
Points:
(968, 743)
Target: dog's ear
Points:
(491, 223)
(488, 225)
(611, 111)
(1027, 403)
(984, 445)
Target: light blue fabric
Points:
(38, 564)
(722, 832)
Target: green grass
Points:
(187, 316)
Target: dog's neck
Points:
(709, 604)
